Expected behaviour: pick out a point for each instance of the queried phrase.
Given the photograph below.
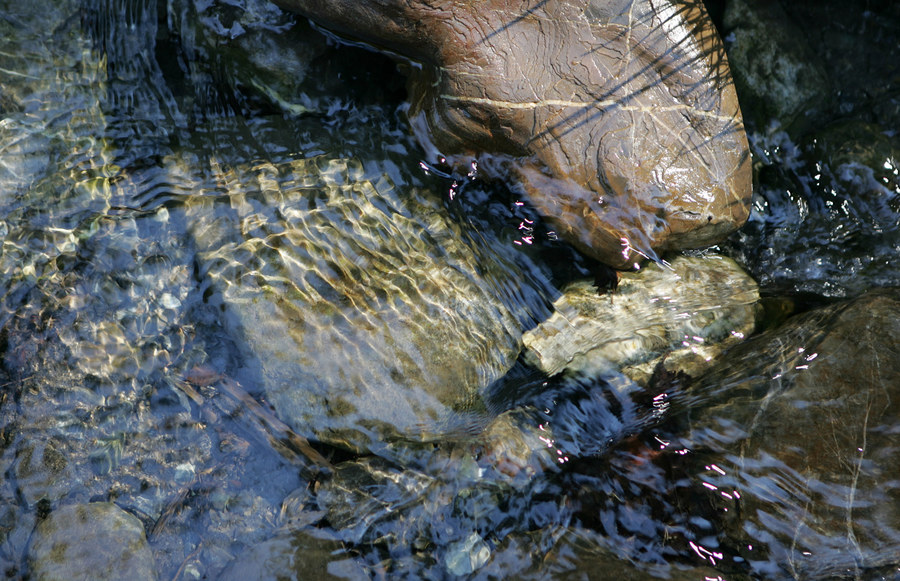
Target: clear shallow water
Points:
(124, 139)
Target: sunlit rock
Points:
(618, 119)
(682, 314)
(367, 314)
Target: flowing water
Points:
(208, 208)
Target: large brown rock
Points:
(618, 119)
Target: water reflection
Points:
(126, 177)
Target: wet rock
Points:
(777, 73)
(257, 48)
(618, 120)
(368, 314)
(517, 445)
(798, 455)
(90, 541)
(43, 471)
(683, 314)
(466, 556)
(305, 554)
(826, 212)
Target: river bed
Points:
(209, 207)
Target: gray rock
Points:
(306, 554)
(799, 453)
(777, 73)
(687, 312)
(43, 471)
(368, 315)
(96, 541)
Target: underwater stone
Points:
(468, 555)
(97, 542)
(799, 455)
(368, 314)
(42, 470)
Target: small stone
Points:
(468, 555)
(169, 302)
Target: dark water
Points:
(140, 139)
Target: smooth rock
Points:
(368, 314)
(618, 119)
(97, 542)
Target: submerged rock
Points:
(683, 314)
(618, 119)
(251, 45)
(826, 206)
(96, 541)
(800, 460)
(367, 314)
(42, 470)
(306, 554)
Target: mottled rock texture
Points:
(618, 119)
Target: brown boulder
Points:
(618, 119)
